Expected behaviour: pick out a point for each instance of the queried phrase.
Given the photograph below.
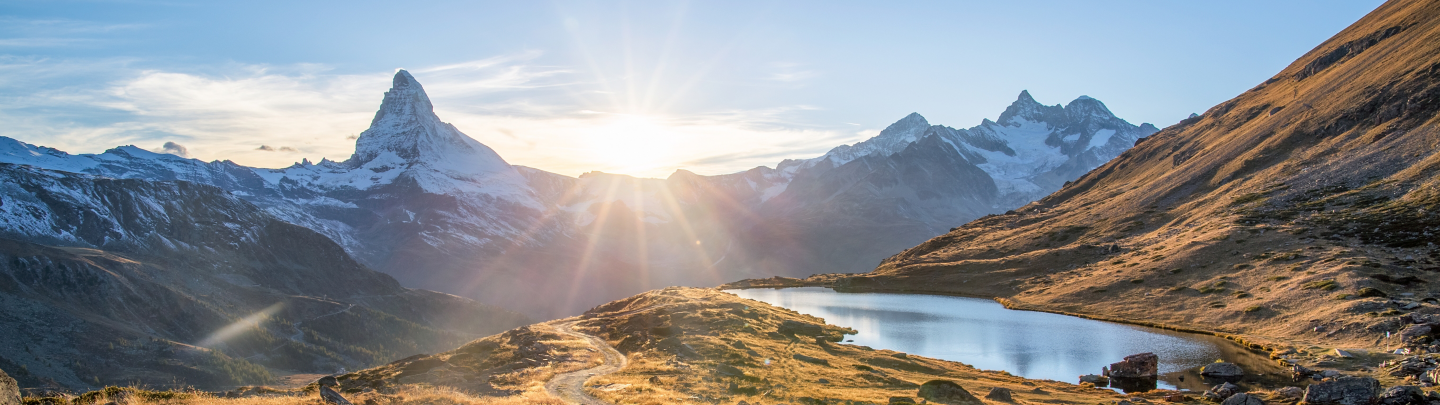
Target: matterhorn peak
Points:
(405, 98)
(408, 136)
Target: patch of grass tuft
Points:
(1327, 285)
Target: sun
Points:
(629, 143)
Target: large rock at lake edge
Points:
(1343, 391)
(947, 392)
(800, 328)
(1222, 370)
(1143, 365)
(9, 390)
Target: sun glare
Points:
(628, 143)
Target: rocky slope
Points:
(114, 281)
(438, 210)
(1302, 210)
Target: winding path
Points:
(570, 387)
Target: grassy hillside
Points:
(1295, 212)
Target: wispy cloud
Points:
(50, 33)
(529, 112)
(791, 72)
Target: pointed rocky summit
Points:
(406, 132)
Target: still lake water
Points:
(1036, 345)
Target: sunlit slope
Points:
(1257, 216)
(701, 346)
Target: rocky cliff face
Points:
(127, 279)
(1282, 213)
(438, 210)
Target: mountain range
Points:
(1303, 210)
(437, 209)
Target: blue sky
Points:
(630, 87)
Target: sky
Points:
(640, 87)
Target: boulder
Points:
(947, 392)
(1415, 331)
(331, 397)
(1141, 365)
(800, 328)
(1404, 395)
(1290, 392)
(999, 394)
(1409, 366)
(1343, 391)
(328, 381)
(901, 400)
(1243, 399)
(1222, 391)
(1432, 375)
(1298, 372)
(1222, 370)
(9, 390)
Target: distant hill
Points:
(1285, 212)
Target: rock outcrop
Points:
(1343, 391)
(9, 390)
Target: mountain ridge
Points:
(438, 210)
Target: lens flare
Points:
(240, 326)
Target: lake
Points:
(1037, 345)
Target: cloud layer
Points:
(534, 115)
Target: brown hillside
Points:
(1265, 216)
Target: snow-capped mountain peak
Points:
(407, 127)
(1084, 106)
(1025, 107)
(892, 139)
(407, 142)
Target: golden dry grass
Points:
(407, 395)
(679, 339)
